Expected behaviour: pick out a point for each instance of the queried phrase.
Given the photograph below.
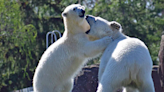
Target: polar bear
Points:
(65, 58)
(126, 62)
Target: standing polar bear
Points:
(126, 62)
(64, 58)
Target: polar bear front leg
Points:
(94, 48)
(103, 62)
(110, 80)
(108, 84)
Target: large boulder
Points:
(86, 80)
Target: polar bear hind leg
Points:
(146, 80)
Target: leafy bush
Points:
(17, 43)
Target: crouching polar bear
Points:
(64, 58)
(126, 62)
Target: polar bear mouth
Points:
(82, 13)
(87, 32)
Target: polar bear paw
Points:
(115, 25)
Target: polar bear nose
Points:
(87, 16)
(90, 16)
(83, 11)
(90, 19)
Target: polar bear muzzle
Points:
(90, 19)
(82, 13)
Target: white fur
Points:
(65, 58)
(126, 62)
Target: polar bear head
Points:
(74, 16)
(100, 27)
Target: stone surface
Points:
(161, 64)
(86, 81)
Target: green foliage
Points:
(24, 24)
(17, 43)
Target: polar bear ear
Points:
(64, 14)
(83, 7)
(115, 25)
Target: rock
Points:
(87, 79)
(161, 65)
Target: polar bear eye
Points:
(74, 9)
(95, 20)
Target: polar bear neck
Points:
(72, 27)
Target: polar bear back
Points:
(131, 47)
(128, 47)
(128, 52)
